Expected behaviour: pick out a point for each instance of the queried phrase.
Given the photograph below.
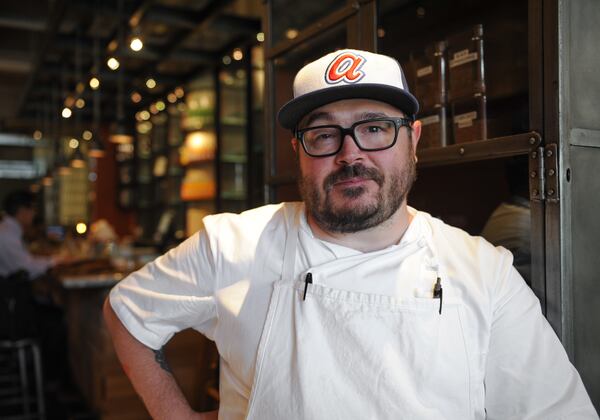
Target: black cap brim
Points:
(292, 112)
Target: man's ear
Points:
(295, 144)
(416, 135)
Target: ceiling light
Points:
(94, 83)
(238, 54)
(291, 33)
(112, 45)
(80, 87)
(113, 63)
(80, 103)
(260, 37)
(66, 113)
(150, 83)
(172, 98)
(226, 60)
(144, 115)
(160, 105)
(179, 92)
(37, 135)
(136, 98)
(73, 143)
(87, 135)
(81, 228)
(136, 44)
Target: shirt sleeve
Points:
(17, 257)
(170, 294)
(528, 373)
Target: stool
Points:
(21, 382)
(19, 397)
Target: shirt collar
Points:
(416, 230)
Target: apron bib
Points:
(327, 353)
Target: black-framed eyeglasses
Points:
(369, 135)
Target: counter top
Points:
(85, 281)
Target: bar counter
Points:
(94, 365)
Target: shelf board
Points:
(198, 163)
(233, 158)
(199, 200)
(233, 195)
(234, 121)
(519, 144)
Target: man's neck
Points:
(379, 237)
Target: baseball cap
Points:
(347, 74)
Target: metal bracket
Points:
(551, 173)
(543, 174)
(536, 174)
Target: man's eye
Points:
(323, 136)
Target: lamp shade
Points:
(121, 133)
(77, 159)
(97, 149)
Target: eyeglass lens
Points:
(370, 135)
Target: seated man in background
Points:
(15, 260)
(509, 225)
(14, 256)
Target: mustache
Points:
(352, 171)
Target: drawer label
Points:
(424, 71)
(466, 119)
(462, 57)
(432, 119)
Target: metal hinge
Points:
(543, 174)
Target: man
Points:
(351, 305)
(47, 318)
(14, 256)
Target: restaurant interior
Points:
(131, 120)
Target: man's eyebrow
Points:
(369, 115)
(317, 116)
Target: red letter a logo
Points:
(345, 67)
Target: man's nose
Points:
(349, 152)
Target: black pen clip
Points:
(438, 292)
(307, 281)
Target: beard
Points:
(356, 216)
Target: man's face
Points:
(25, 216)
(356, 190)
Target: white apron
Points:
(340, 354)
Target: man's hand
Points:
(209, 415)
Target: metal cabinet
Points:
(542, 81)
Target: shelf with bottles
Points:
(197, 153)
(199, 183)
(233, 134)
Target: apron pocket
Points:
(406, 355)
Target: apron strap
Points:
(292, 219)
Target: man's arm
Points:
(150, 375)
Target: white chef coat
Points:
(220, 282)
(14, 256)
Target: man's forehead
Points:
(351, 110)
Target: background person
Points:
(19, 213)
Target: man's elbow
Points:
(110, 318)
